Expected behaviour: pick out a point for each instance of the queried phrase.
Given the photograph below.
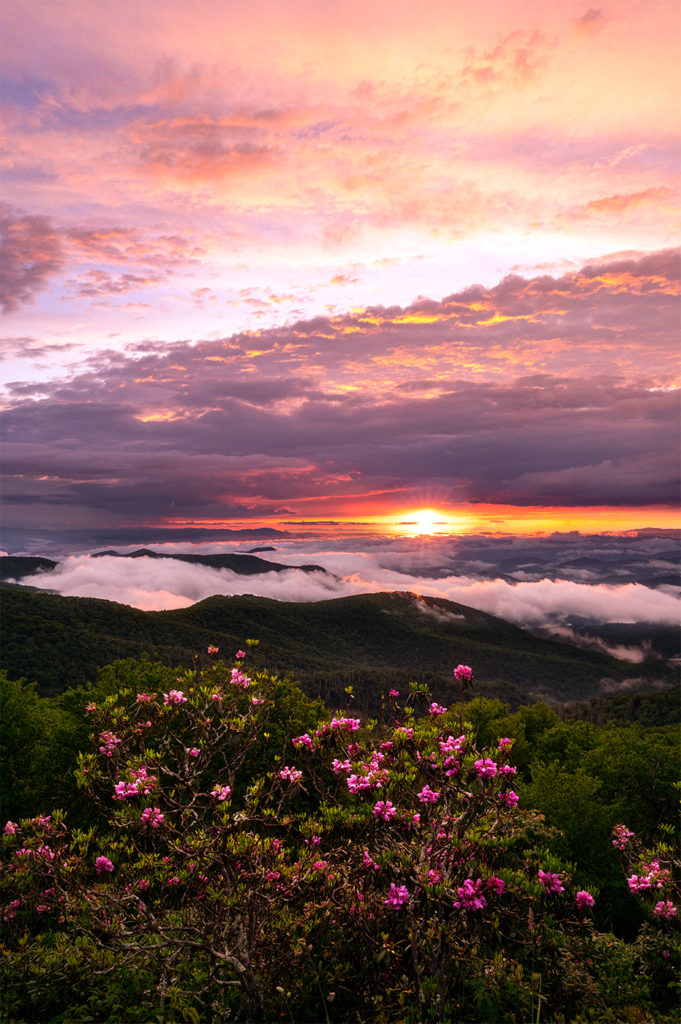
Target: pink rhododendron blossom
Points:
(550, 881)
(495, 884)
(143, 698)
(406, 731)
(369, 862)
(509, 799)
(304, 741)
(463, 673)
(292, 774)
(384, 809)
(108, 742)
(470, 895)
(654, 878)
(103, 866)
(341, 766)
(399, 895)
(350, 724)
(486, 768)
(212, 649)
(221, 792)
(239, 679)
(393, 693)
(434, 877)
(319, 865)
(437, 709)
(91, 706)
(665, 910)
(152, 816)
(621, 836)
(504, 743)
(428, 796)
(10, 828)
(452, 745)
(507, 769)
(143, 884)
(174, 697)
(240, 655)
(584, 899)
(10, 911)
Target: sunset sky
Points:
(300, 260)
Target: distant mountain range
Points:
(369, 642)
(16, 567)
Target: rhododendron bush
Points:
(371, 873)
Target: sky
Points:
(401, 266)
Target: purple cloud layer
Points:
(543, 391)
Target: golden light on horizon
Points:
(427, 522)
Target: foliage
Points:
(369, 641)
(246, 865)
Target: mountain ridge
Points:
(367, 641)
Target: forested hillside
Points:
(365, 641)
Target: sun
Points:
(425, 521)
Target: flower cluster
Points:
(384, 809)
(304, 741)
(470, 895)
(212, 650)
(486, 768)
(152, 816)
(239, 679)
(398, 896)
(221, 792)
(292, 774)
(103, 866)
(142, 784)
(372, 773)
(452, 745)
(349, 724)
(551, 881)
(509, 799)
(174, 697)
(621, 836)
(437, 709)
(665, 909)
(428, 796)
(463, 673)
(369, 862)
(653, 877)
(108, 742)
(584, 899)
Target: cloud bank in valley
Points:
(165, 583)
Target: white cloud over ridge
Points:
(160, 584)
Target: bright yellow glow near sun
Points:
(424, 522)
